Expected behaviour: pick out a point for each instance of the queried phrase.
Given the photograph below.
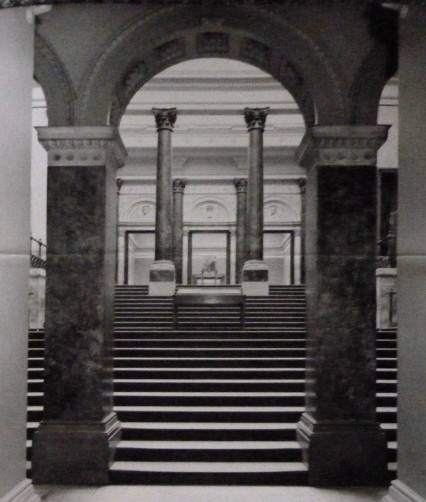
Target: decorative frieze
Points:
(347, 145)
(82, 146)
(213, 43)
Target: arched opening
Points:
(210, 143)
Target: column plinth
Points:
(162, 280)
(178, 190)
(76, 439)
(255, 119)
(342, 441)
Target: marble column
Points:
(302, 185)
(178, 189)
(411, 483)
(255, 272)
(339, 433)
(162, 276)
(75, 442)
(241, 187)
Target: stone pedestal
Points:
(36, 298)
(75, 441)
(255, 278)
(342, 441)
(162, 278)
(386, 298)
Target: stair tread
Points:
(225, 467)
(209, 445)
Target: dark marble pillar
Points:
(75, 441)
(302, 185)
(178, 189)
(255, 119)
(343, 443)
(165, 120)
(241, 186)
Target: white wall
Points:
(16, 60)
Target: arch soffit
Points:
(174, 34)
(50, 73)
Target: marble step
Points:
(209, 473)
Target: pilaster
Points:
(75, 441)
(342, 441)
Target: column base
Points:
(162, 278)
(255, 278)
(74, 452)
(343, 452)
(24, 492)
(400, 492)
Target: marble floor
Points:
(208, 494)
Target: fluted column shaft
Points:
(255, 119)
(165, 120)
(241, 186)
(178, 189)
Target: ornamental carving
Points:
(240, 185)
(341, 145)
(142, 211)
(179, 185)
(210, 211)
(255, 117)
(213, 43)
(170, 51)
(165, 118)
(256, 51)
(276, 211)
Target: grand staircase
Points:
(206, 399)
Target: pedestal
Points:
(79, 452)
(255, 278)
(162, 278)
(386, 298)
(36, 298)
(343, 452)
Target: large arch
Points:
(248, 33)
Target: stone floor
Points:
(208, 494)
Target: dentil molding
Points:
(82, 146)
(348, 145)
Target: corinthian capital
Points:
(179, 185)
(165, 118)
(255, 118)
(240, 184)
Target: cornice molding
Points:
(82, 146)
(348, 145)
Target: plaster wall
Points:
(16, 61)
(412, 254)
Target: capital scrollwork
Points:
(179, 185)
(255, 118)
(240, 184)
(165, 118)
